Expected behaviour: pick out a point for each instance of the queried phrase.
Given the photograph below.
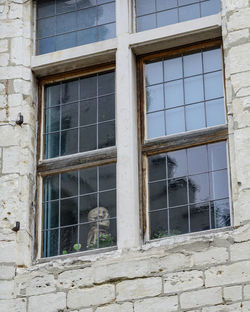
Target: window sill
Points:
(74, 58)
(166, 37)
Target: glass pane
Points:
(198, 188)
(154, 73)
(69, 211)
(51, 215)
(88, 180)
(210, 7)
(45, 8)
(106, 107)
(167, 18)
(69, 116)
(193, 89)
(50, 243)
(145, 7)
(174, 94)
(46, 45)
(69, 184)
(107, 233)
(175, 120)
(108, 201)
(69, 142)
(88, 112)
(66, 23)
(52, 117)
(178, 219)
(213, 85)
(195, 116)
(88, 87)
(88, 139)
(85, 232)
(107, 177)
(173, 68)
(164, 5)
(106, 83)
(65, 41)
(52, 95)
(146, 22)
(103, 1)
(215, 112)
(157, 195)
(69, 242)
(86, 36)
(157, 167)
(86, 18)
(106, 134)
(70, 91)
(155, 125)
(51, 146)
(106, 32)
(219, 184)
(220, 213)
(212, 60)
(186, 2)
(155, 99)
(106, 13)
(51, 187)
(177, 192)
(192, 64)
(199, 217)
(177, 164)
(189, 12)
(81, 4)
(63, 6)
(46, 27)
(197, 159)
(217, 156)
(159, 224)
(87, 203)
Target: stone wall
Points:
(207, 272)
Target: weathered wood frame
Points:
(46, 167)
(170, 142)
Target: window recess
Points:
(183, 133)
(77, 166)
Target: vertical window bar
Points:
(183, 86)
(204, 89)
(59, 228)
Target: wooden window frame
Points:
(173, 142)
(61, 164)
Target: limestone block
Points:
(11, 159)
(4, 59)
(10, 29)
(87, 297)
(237, 37)
(241, 234)
(18, 72)
(158, 304)
(240, 251)
(23, 46)
(22, 86)
(200, 298)
(3, 101)
(232, 293)
(7, 272)
(35, 285)
(85, 310)
(7, 290)
(15, 100)
(7, 252)
(172, 262)
(239, 57)
(3, 45)
(239, 19)
(213, 255)
(14, 305)
(182, 281)
(246, 292)
(75, 278)
(47, 303)
(228, 274)
(16, 11)
(139, 288)
(237, 307)
(124, 307)
(240, 80)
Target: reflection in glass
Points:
(69, 211)
(146, 22)
(213, 85)
(88, 112)
(177, 192)
(177, 164)
(175, 120)
(69, 142)
(88, 139)
(220, 213)
(167, 17)
(197, 159)
(106, 134)
(145, 7)
(173, 69)
(69, 116)
(178, 219)
(155, 99)
(217, 156)
(174, 94)
(199, 217)
(154, 73)
(159, 224)
(189, 12)
(193, 89)
(215, 110)
(157, 167)
(198, 188)
(69, 184)
(158, 195)
(65, 41)
(192, 64)
(195, 116)
(155, 123)
(219, 184)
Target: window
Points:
(184, 151)
(157, 13)
(79, 189)
(63, 24)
